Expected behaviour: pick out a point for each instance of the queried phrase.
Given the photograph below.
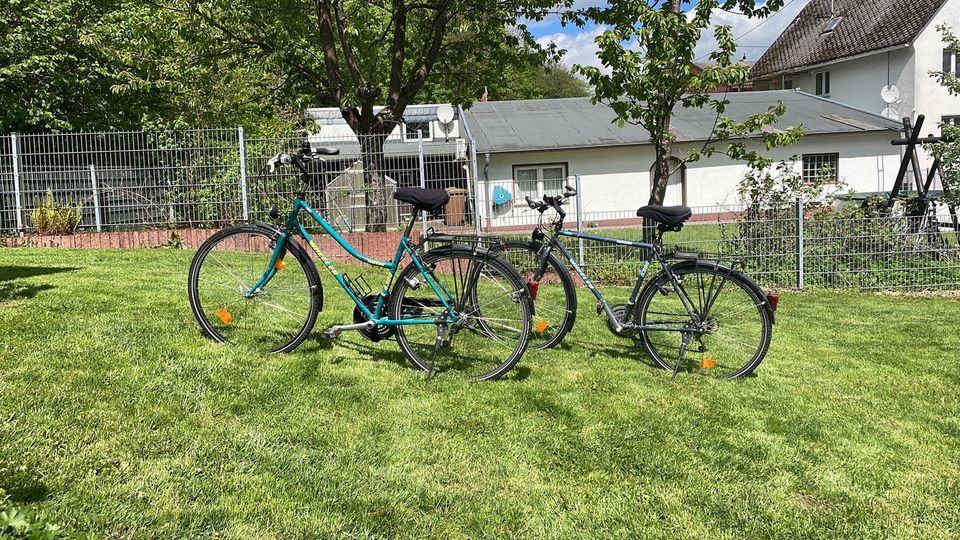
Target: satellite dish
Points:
(890, 94)
(891, 113)
(445, 113)
(445, 116)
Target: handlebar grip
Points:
(571, 191)
(530, 202)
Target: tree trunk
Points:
(661, 173)
(374, 181)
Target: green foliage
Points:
(949, 151)
(538, 81)
(949, 154)
(648, 57)
(53, 74)
(357, 55)
(104, 65)
(952, 42)
(775, 186)
(18, 524)
(51, 217)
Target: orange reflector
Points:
(279, 265)
(708, 363)
(224, 316)
(541, 326)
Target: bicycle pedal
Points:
(330, 333)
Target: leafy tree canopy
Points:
(648, 55)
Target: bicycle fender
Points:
(297, 249)
(753, 285)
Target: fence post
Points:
(476, 187)
(800, 235)
(96, 197)
(18, 204)
(576, 180)
(243, 172)
(423, 178)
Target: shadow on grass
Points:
(11, 289)
(376, 352)
(23, 486)
(10, 273)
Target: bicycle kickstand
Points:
(687, 338)
(441, 334)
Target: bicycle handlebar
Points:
(298, 159)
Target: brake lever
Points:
(273, 162)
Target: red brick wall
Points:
(377, 245)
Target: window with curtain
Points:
(536, 181)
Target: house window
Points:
(411, 129)
(535, 181)
(950, 62)
(788, 84)
(823, 83)
(951, 120)
(823, 166)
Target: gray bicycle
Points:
(696, 314)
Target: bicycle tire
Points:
(722, 357)
(418, 348)
(267, 235)
(567, 314)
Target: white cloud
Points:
(581, 47)
(753, 35)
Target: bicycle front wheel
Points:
(728, 337)
(485, 303)
(274, 318)
(555, 302)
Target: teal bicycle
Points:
(458, 307)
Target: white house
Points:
(849, 50)
(535, 147)
(419, 121)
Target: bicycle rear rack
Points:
(491, 244)
(679, 254)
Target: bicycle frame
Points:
(603, 305)
(404, 247)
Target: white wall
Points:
(616, 181)
(342, 132)
(933, 100)
(858, 82)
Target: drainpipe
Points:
(488, 196)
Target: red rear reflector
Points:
(774, 299)
(533, 286)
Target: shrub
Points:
(16, 524)
(51, 217)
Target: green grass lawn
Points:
(118, 419)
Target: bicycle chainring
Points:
(378, 332)
(620, 311)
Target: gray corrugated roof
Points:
(866, 26)
(556, 124)
(414, 113)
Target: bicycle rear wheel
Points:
(555, 302)
(491, 306)
(729, 337)
(276, 318)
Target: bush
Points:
(51, 217)
(18, 524)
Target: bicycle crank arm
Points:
(334, 331)
(615, 323)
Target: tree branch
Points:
(348, 56)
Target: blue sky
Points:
(757, 34)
